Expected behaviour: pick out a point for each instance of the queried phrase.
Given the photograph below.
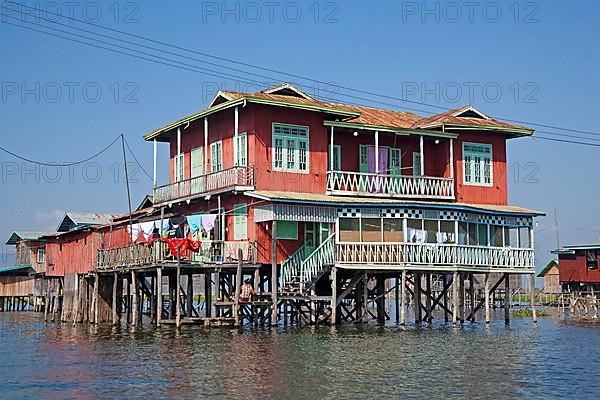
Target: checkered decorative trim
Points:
(445, 215)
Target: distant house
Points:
(579, 266)
(551, 276)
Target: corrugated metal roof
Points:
(14, 268)
(277, 196)
(17, 236)
(73, 220)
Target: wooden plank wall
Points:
(16, 286)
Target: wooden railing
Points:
(205, 184)
(369, 184)
(141, 254)
(290, 268)
(313, 265)
(434, 254)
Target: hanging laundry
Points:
(177, 227)
(416, 235)
(208, 221)
(195, 223)
(183, 244)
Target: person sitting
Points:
(246, 291)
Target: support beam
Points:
(451, 158)
(96, 289)
(461, 278)
(422, 156)
(331, 165)
(397, 299)
(472, 296)
(177, 293)
(274, 273)
(115, 314)
(134, 302)
(333, 293)
(190, 295)
(428, 298)
(377, 152)
(417, 296)
(532, 297)
(155, 161)
(403, 299)
(487, 297)
(507, 298)
(208, 293)
(238, 289)
(454, 297)
(159, 296)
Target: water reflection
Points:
(553, 359)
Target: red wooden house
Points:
(579, 267)
(349, 186)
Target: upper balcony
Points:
(378, 185)
(232, 179)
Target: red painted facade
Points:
(573, 268)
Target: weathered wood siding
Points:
(16, 286)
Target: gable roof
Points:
(359, 117)
(18, 236)
(73, 220)
(547, 268)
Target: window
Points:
(417, 164)
(370, 229)
(179, 167)
(524, 238)
(240, 222)
(290, 148)
(395, 162)
(240, 149)
(197, 162)
(477, 159)
(473, 234)
(216, 156)
(349, 229)
(497, 234)
(41, 255)
(392, 230)
(591, 259)
(337, 158)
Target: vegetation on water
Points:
(526, 312)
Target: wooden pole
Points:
(190, 294)
(238, 289)
(417, 296)
(96, 289)
(507, 298)
(428, 304)
(446, 309)
(134, 301)
(532, 297)
(487, 297)
(159, 296)
(365, 299)
(403, 299)
(128, 299)
(208, 292)
(333, 295)
(274, 273)
(115, 315)
(397, 297)
(472, 296)
(177, 295)
(461, 278)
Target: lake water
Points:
(554, 359)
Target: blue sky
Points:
(529, 61)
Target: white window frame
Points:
(179, 167)
(198, 152)
(337, 152)
(284, 151)
(472, 167)
(240, 222)
(41, 255)
(216, 152)
(240, 149)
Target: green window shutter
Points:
(417, 164)
(395, 162)
(240, 222)
(287, 230)
(363, 156)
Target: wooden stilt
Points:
(532, 297)
(417, 296)
(190, 295)
(128, 299)
(507, 298)
(96, 289)
(428, 304)
(446, 309)
(397, 299)
(257, 287)
(403, 299)
(274, 273)
(487, 297)
(208, 292)
(461, 278)
(152, 300)
(134, 300)
(115, 315)
(238, 289)
(159, 296)
(177, 294)
(333, 295)
(358, 301)
(472, 296)
(365, 299)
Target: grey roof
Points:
(73, 220)
(570, 249)
(17, 236)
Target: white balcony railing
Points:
(369, 184)
(205, 184)
(434, 254)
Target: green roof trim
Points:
(247, 99)
(516, 131)
(383, 128)
(548, 267)
(14, 268)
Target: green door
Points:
(395, 171)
